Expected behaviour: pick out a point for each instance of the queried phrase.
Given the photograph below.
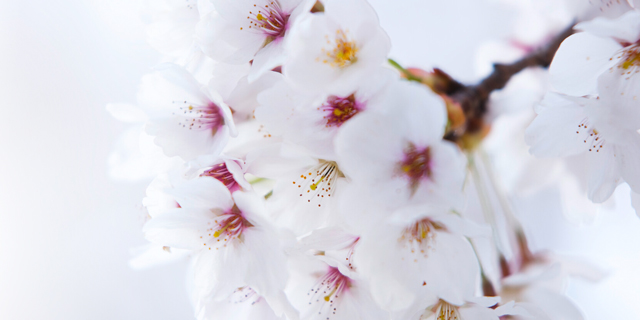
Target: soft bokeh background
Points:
(66, 229)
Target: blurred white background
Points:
(66, 229)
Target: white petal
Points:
(269, 57)
(203, 192)
(603, 175)
(553, 132)
(626, 27)
(581, 56)
(178, 228)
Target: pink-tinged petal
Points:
(269, 57)
(275, 161)
(581, 56)
(179, 228)
(555, 305)
(203, 192)
(625, 28)
(390, 294)
(343, 11)
(555, 131)
(603, 175)
(628, 159)
(244, 97)
(266, 270)
(218, 272)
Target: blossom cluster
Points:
(304, 177)
(592, 114)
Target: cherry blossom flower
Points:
(307, 188)
(186, 119)
(398, 155)
(604, 130)
(605, 44)
(537, 287)
(332, 51)
(234, 246)
(430, 249)
(323, 292)
(443, 310)
(241, 31)
(312, 121)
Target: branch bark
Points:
(473, 99)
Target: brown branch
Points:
(473, 99)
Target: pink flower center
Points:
(419, 237)
(196, 117)
(221, 173)
(269, 20)
(416, 165)
(339, 110)
(331, 286)
(227, 227)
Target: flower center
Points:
(270, 20)
(317, 182)
(343, 52)
(339, 110)
(328, 291)
(419, 236)
(196, 117)
(221, 173)
(629, 58)
(416, 165)
(591, 136)
(447, 311)
(243, 295)
(227, 227)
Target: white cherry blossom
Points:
(250, 30)
(604, 130)
(605, 44)
(233, 244)
(186, 119)
(398, 155)
(312, 121)
(431, 250)
(322, 292)
(335, 50)
(307, 188)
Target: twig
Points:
(473, 99)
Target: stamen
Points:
(243, 295)
(221, 173)
(339, 110)
(592, 136)
(416, 165)
(447, 311)
(270, 20)
(319, 182)
(228, 227)
(195, 117)
(331, 287)
(420, 236)
(343, 52)
(629, 59)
